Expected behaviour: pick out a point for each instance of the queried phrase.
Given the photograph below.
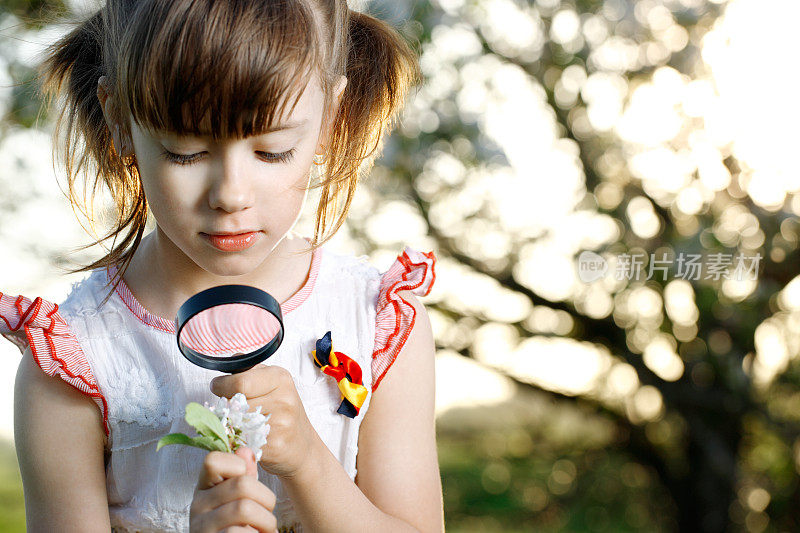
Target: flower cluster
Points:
(243, 428)
(224, 427)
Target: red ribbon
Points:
(345, 371)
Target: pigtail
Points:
(380, 69)
(69, 75)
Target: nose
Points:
(231, 189)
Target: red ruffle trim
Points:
(412, 271)
(55, 349)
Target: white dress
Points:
(127, 360)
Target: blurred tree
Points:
(19, 22)
(709, 411)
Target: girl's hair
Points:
(235, 64)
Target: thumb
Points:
(247, 454)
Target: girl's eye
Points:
(272, 157)
(280, 157)
(180, 159)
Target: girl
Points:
(211, 114)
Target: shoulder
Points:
(349, 265)
(45, 337)
(89, 311)
(417, 350)
(401, 318)
(419, 344)
(412, 271)
(87, 294)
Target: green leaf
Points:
(206, 423)
(211, 444)
(174, 438)
(206, 443)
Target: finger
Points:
(219, 466)
(255, 382)
(237, 488)
(250, 459)
(242, 512)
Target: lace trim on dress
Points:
(53, 345)
(132, 519)
(414, 271)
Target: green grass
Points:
(548, 491)
(12, 502)
(533, 465)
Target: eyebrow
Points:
(285, 126)
(271, 129)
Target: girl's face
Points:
(197, 187)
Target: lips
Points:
(231, 242)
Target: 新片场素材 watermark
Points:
(688, 266)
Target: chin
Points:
(228, 266)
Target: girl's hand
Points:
(292, 438)
(229, 497)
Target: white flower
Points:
(244, 428)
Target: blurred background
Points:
(649, 139)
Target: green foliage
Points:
(492, 484)
(12, 500)
(207, 443)
(32, 13)
(213, 436)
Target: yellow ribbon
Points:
(355, 393)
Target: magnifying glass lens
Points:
(229, 330)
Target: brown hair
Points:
(163, 58)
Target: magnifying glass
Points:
(229, 328)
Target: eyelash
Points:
(271, 157)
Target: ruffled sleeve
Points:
(412, 271)
(55, 349)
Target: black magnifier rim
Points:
(222, 295)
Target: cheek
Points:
(298, 190)
(283, 200)
(167, 195)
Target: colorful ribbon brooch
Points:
(345, 371)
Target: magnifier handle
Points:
(240, 370)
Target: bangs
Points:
(224, 69)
